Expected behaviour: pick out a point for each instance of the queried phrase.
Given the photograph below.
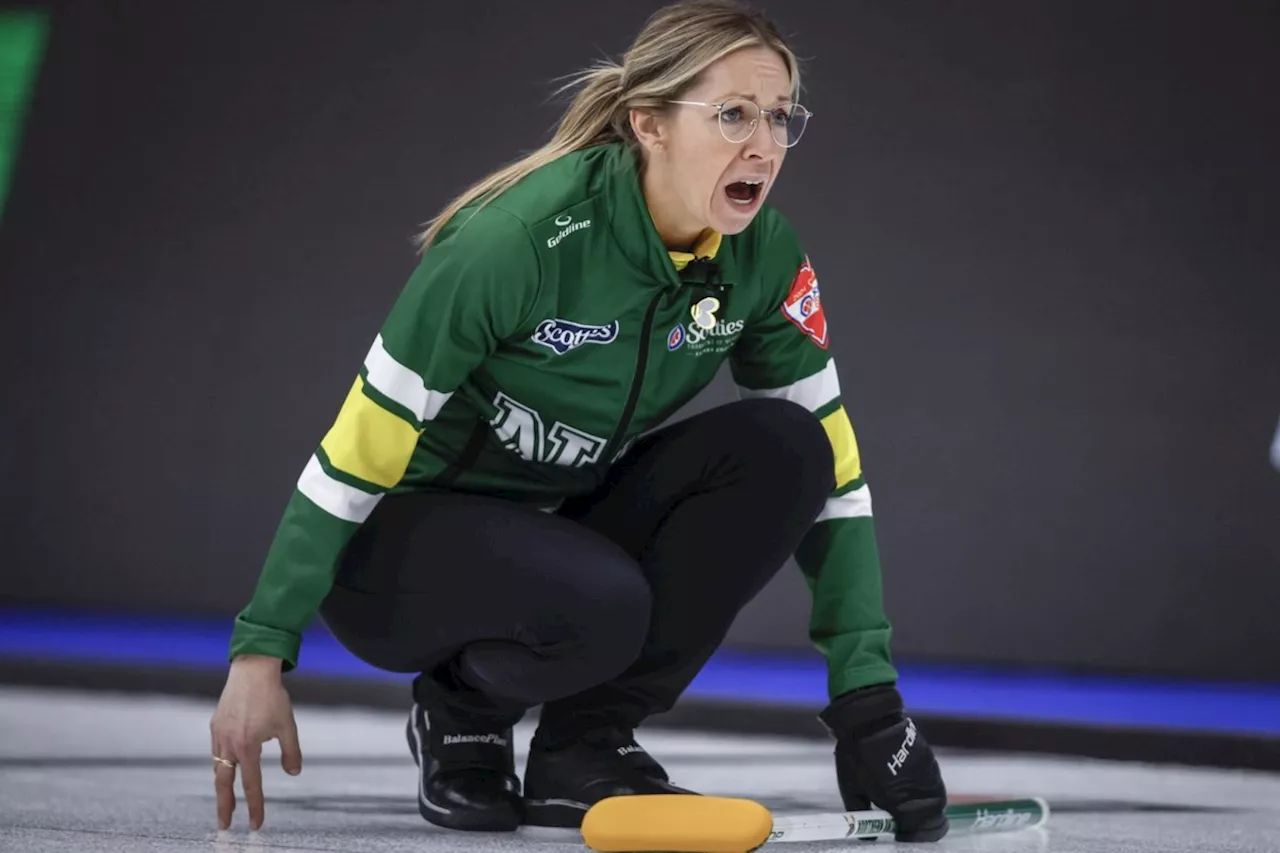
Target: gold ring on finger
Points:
(226, 762)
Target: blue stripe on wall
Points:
(730, 675)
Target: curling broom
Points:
(685, 823)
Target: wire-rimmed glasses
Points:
(739, 117)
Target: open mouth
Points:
(744, 193)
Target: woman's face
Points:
(707, 180)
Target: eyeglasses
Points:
(738, 118)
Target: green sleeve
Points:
(784, 352)
(475, 286)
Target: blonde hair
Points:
(677, 44)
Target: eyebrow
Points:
(782, 99)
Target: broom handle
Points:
(969, 819)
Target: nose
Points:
(760, 145)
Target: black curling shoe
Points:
(466, 776)
(563, 780)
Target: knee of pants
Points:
(614, 628)
(595, 634)
(787, 443)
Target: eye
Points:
(781, 116)
(731, 114)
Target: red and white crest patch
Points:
(803, 305)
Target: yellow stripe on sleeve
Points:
(840, 432)
(368, 442)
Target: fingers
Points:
(290, 750)
(224, 785)
(251, 781)
(224, 782)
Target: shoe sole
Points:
(562, 814)
(568, 814)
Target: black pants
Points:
(606, 610)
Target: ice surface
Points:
(114, 773)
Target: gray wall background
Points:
(1046, 233)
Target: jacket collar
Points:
(633, 228)
(706, 247)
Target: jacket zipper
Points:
(711, 282)
(637, 381)
(470, 453)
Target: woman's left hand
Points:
(883, 758)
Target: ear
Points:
(649, 129)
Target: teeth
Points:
(751, 182)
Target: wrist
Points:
(858, 713)
(260, 665)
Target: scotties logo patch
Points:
(803, 305)
(676, 338)
(563, 335)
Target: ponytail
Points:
(593, 117)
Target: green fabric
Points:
(297, 576)
(555, 318)
(22, 39)
(847, 623)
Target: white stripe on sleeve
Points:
(812, 392)
(401, 384)
(334, 497)
(856, 504)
